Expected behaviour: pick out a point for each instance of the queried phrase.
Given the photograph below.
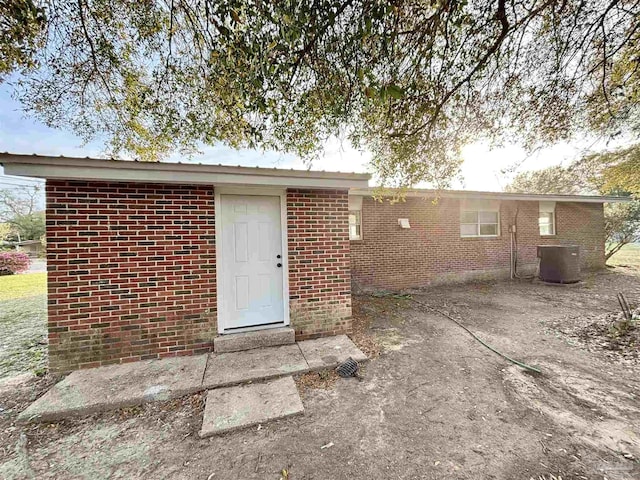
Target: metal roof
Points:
(69, 168)
(468, 194)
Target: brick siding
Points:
(319, 265)
(131, 272)
(432, 251)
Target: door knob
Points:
(278, 256)
(279, 265)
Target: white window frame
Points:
(358, 224)
(355, 209)
(547, 208)
(478, 207)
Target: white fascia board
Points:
(174, 173)
(495, 196)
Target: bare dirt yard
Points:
(434, 404)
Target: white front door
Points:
(251, 261)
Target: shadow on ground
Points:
(434, 405)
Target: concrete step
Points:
(242, 406)
(237, 342)
(231, 368)
(107, 388)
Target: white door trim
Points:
(275, 192)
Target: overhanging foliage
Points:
(410, 81)
(595, 174)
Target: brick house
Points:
(458, 236)
(152, 260)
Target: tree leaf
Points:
(395, 91)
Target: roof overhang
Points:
(93, 169)
(464, 194)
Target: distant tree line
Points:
(615, 172)
(21, 217)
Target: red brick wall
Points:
(433, 251)
(319, 265)
(131, 272)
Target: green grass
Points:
(24, 285)
(628, 255)
(23, 324)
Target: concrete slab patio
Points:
(330, 352)
(242, 406)
(108, 388)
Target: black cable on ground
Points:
(516, 362)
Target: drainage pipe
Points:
(514, 249)
(511, 254)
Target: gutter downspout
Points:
(514, 248)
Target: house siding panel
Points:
(432, 251)
(319, 262)
(131, 272)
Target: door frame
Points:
(247, 191)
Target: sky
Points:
(482, 168)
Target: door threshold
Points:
(253, 328)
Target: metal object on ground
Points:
(559, 263)
(349, 368)
(624, 305)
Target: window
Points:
(479, 219)
(355, 224)
(355, 217)
(546, 223)
(547, 218)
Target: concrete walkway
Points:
(242, 406)
(107, 388)
(38, 265)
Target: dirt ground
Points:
(434, 404)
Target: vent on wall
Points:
(404, 223)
